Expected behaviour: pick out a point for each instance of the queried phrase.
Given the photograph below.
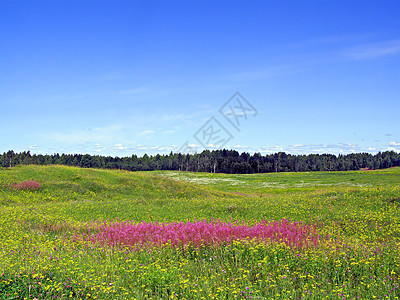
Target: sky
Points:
(132, 77)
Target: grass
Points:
(288, 181)
(48, 246)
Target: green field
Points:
(46, 249)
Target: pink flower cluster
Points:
(203, 233)
(27, 185)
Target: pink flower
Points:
(203, 233)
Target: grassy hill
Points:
(287, 181)
(46, 235)
(62, 181)
(86, 194)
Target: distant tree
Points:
(225, 161)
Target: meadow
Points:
(74, 233)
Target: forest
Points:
(217, 161)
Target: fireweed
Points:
(203, 233)
(27, 185)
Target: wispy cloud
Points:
(240, 147)
(154, 149)
(332, 39)
(356, 49)
(339, 148)
(372, 50)
(127, 149)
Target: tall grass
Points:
(101, 234)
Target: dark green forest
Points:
(218, 161)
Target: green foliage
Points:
(217, 161)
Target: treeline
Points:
(218, 161)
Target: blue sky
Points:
(133, 77)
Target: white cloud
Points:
(142, 147)
(164, 148)
(120, 147)
(240, 147)
(339, 148)
(373, 50)
(271, 149)
(155, 149)
(394, 144)
(212, 146)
